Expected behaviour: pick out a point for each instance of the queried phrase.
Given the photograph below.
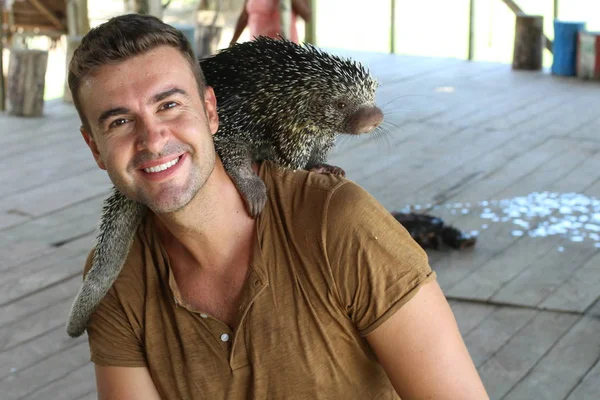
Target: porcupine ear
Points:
(118, 226)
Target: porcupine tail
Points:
(118, 226)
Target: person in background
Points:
(262, 18)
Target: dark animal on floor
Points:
(430, 231)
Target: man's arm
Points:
(423, 353)
(125, 383)
(302, 8)
(240, 25)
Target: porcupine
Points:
(277, 101)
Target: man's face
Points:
(150, 130)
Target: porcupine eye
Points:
(341, 105)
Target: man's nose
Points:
(151, 134)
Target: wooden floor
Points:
(511, 155)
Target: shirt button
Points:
(224, 337)
(203, 315)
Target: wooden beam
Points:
(48, 14)
(310, 28)
(517, 10)
(2, 83)
(285, 17)
(78, 22)
(471, 30)
(393, 27)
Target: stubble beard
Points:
(171, 197)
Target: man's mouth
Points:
(162, 167)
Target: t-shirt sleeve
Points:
(376, 265)
(113, 338)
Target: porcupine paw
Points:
(326, 168)
(254, 192)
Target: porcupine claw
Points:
(119, 222)
(326, 168)
(255, 194)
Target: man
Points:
(262, 18)
(325, 295)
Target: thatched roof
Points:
(39, 16)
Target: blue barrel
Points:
(564, 47)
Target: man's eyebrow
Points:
(110, 113)
(167, 93)
(155, 99)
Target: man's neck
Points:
(214, 231)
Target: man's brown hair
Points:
(121, 38)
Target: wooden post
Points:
(209, 26)
(2, 82)
(471, 41)
(78, 24)
(529, 42)
(155, 8)
(392, 26)
(517, 10)
(72, 43)
(26, 82)
(310, 33)
(285, 15)
(151, 7)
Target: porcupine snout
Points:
(364, 120)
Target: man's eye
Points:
(168, 105)
(118, 122)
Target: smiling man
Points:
(324, 295)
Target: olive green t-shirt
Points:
(330, 265)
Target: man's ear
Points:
(87, 136)
(210, 107)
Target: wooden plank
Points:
(40, 300)
(30, 382)
(44, 273)
(520, 354)
(470, 315)
(594, 310)
(546, 274)
(587, 130)
(48, 14)
(78, 382)
(358, 163)
(512, 259)
(63, 225)
(491, 334)
(34, 326)
(17, 253)
(498, 237)
(19, 129)
(28, 354)
(93, 395)
(57, 195)
(496, 99)
(579, 291)
(561, 369)
(589, 387)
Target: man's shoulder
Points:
(280, 178)
(300, 194)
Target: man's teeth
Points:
(162, 167)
